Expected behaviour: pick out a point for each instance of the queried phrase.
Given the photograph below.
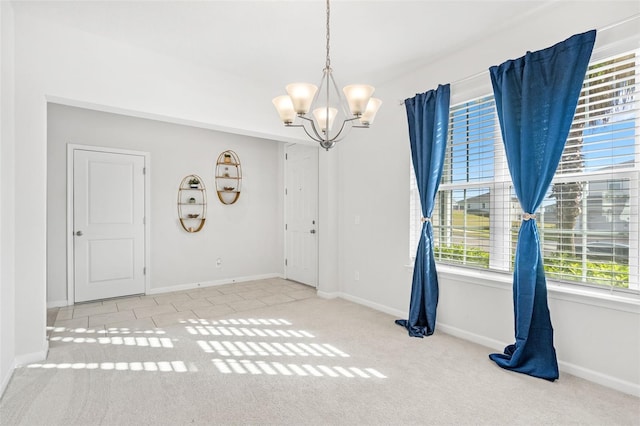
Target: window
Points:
(588, 222)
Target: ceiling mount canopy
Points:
(327, 105)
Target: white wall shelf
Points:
(228, 176)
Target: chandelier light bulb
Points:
(358, 96)
(284, 106)
(301, 95)
(369, 113)
(321, 117)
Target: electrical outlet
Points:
(218, 262)
(357, 276)
(357, 220)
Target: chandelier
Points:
(328, 105)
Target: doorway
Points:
(301, 214)
(107, 193)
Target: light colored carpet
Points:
(312, 362)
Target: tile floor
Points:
(165, 309)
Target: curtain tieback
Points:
(425, 219)
(528, 216)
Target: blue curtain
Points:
(428, 116)
(536, 97)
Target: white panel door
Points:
(301, 205)
(108, 225)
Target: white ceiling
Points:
(276, 42)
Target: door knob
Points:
(79, 233)
(313, 231)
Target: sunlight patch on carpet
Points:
(161, 366)
(210, 330)
(250, 342)
(152, 342)
(240, 348)
(245, 366)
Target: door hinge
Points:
(285, 191)
(285, 262)
(144, 220)
(286, 156)
(285, 227)
(144, 271)
(144, 170)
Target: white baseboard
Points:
(565, 367)
(364, 302)
(32, 357)
(6, 379)
(471, 337)
(327, 295)
(57, 304)
(20, 361)
(599, 378)
(204, 284)
(187, 286)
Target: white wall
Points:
(246, 236)
(68, 66)
(7, 225)
(374, 173)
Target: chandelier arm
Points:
(341, 101)
(337, 136)
(305, 130)
(326, 132)
(317, 136)
(311, 136)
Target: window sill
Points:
(604, 298)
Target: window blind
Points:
(588, 222)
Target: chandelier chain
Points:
(328, 61)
